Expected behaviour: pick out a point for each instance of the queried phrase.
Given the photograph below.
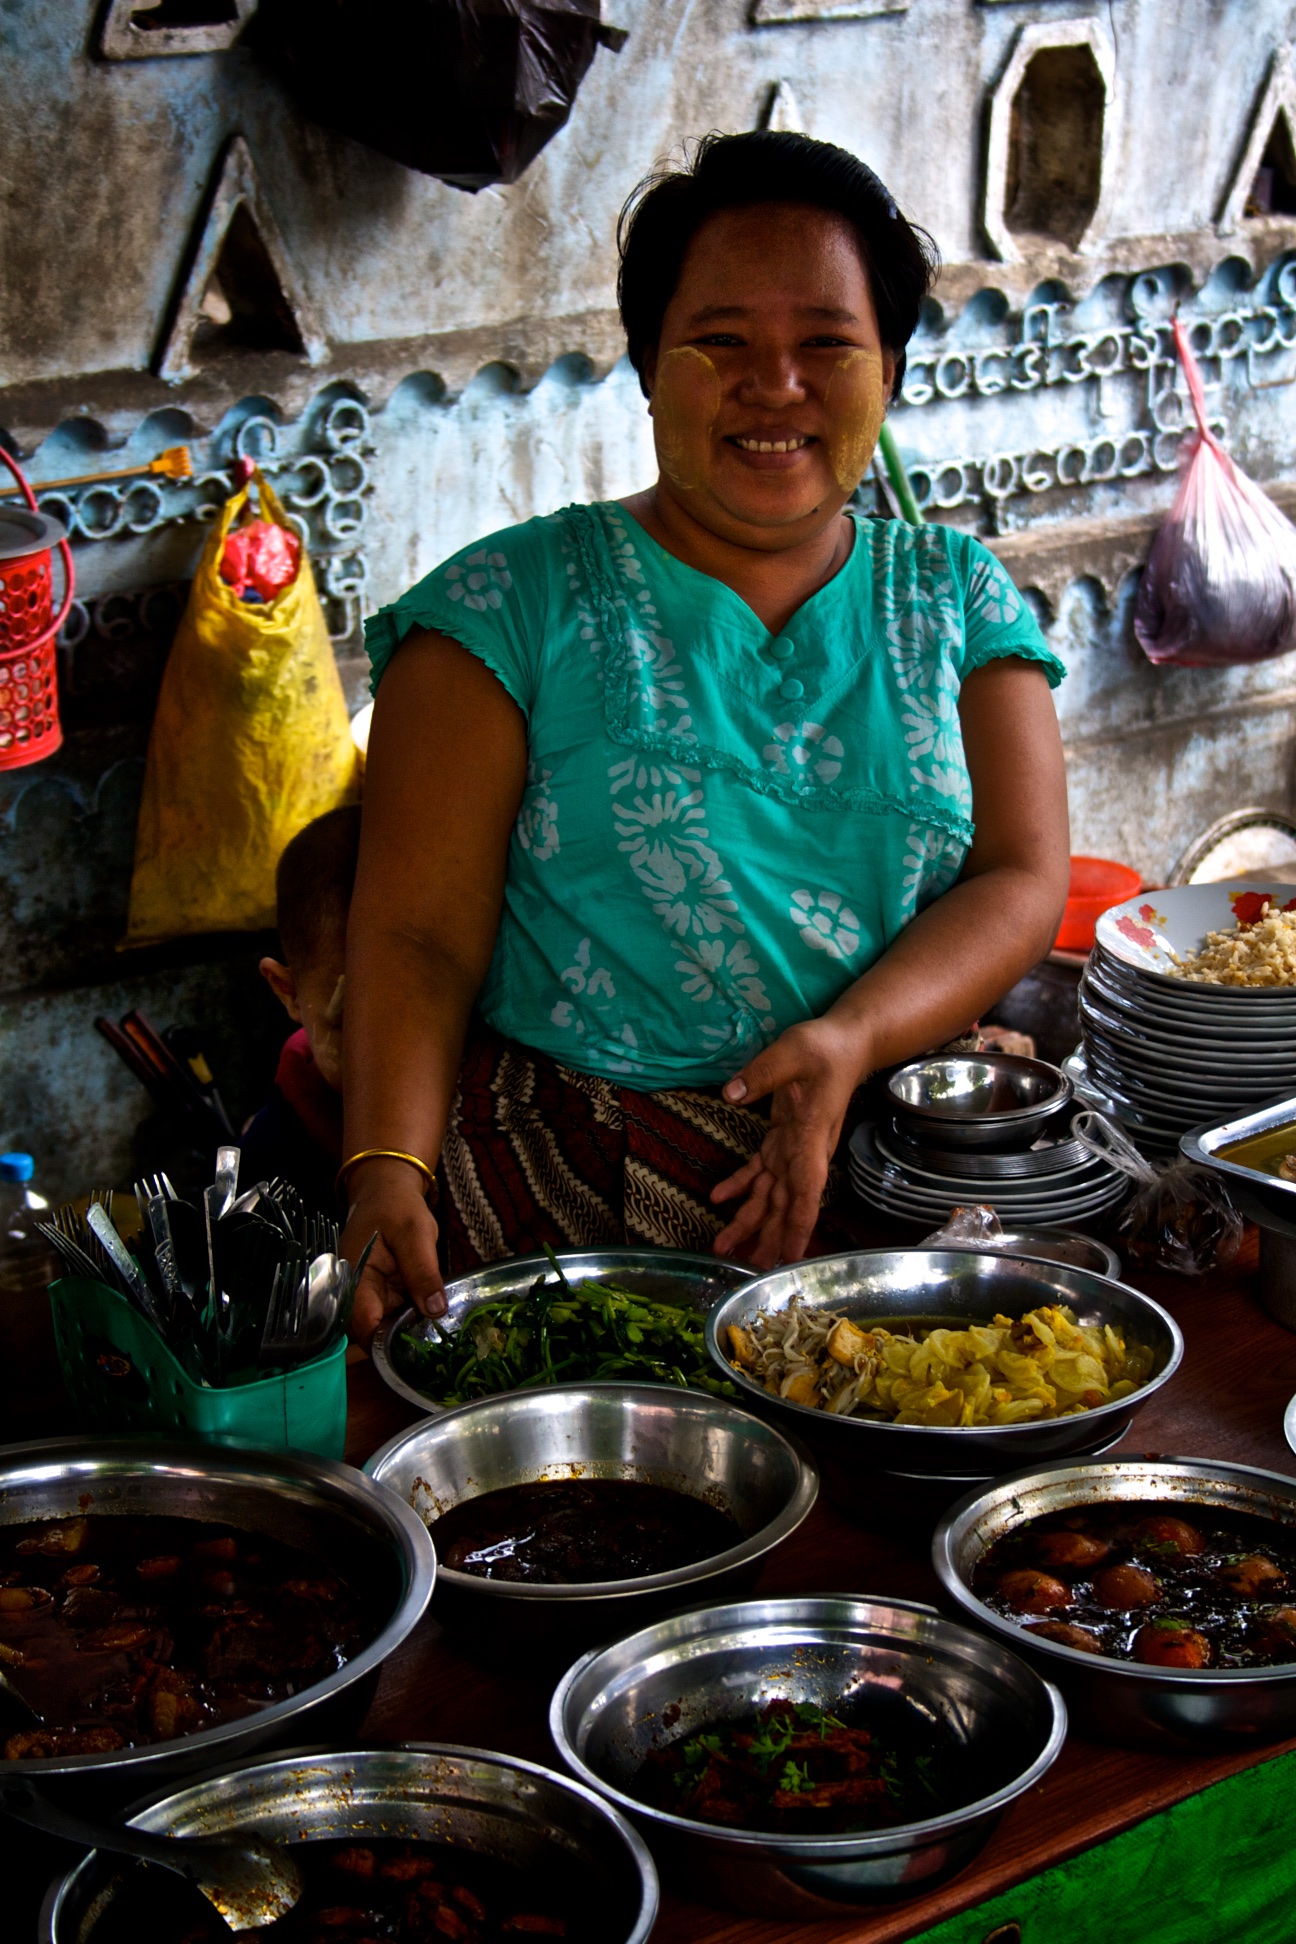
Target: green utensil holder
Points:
(120, 1376)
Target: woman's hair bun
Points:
(666, 210)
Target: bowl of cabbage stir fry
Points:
(942, 1362)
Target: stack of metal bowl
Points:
(989, 1128)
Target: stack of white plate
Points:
(1163, 1053)
(884, 1176)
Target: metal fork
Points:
(92, 1248)
(321, 1236)
(279, 1338)
(75, 1259)
(153, 1187)
(71, 1227)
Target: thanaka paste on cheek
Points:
(854, 407)
(685, 407)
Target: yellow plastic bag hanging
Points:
(249, 743)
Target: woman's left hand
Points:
(810, 1072)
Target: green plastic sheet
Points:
(1218, 1868)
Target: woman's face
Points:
(769, 382)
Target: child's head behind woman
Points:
(313, 885)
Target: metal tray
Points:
(666, 1275)
(1203, 1144)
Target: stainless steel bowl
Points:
(977, 1100)
(490, 1805)
(926, 1283)
(664, 1275)
(682, 1439)
(1114, 1700)
(1069, 1246)
(363, 1533)
(673, 1679)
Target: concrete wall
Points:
(468, 373)
(114, 159)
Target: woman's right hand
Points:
(402, 1265)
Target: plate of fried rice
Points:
(1188, 1004)
(1217, 939)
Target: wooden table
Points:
(1226, 1402)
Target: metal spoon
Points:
(227, 1174)
(247, 1202)
(325, 1282)
(250, 1882)
(16, 1705)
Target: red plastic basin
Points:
(1097, 883)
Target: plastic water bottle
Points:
(30, 1385)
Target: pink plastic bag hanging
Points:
(1220, 585)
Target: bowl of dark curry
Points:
(424, 1843)
(566, 1514)
(796, 1756)
(163, 1607)
(1160, 1594)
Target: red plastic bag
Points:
(1220, 585)
(260, 558)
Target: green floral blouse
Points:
(722, 828)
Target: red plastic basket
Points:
(29, 718)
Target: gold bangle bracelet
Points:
(390, 1154)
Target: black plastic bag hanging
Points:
(1220, 584)
(467, 90)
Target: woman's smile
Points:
(771, 447)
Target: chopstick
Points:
(132, 1056)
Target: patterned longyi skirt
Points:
(536, 1152)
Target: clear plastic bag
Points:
(1220, 584)
(1180, 1217)
(975, 1226)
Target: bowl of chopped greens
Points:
(598, 1316)
(568, 1512)
(792, 1757)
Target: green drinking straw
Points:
(899, 478)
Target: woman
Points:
(685, 814)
